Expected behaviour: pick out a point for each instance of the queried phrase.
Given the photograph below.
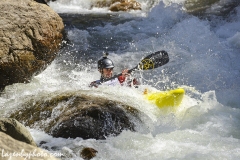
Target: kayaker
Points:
(105, 67)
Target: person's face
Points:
(107, 72)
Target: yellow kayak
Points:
(171, 98)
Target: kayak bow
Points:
(171, 98)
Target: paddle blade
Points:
(154, 60)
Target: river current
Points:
(204, 60)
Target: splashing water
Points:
(204, 58)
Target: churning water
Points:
(204, 60)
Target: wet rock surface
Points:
(30, 37)
(78, 115)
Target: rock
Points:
(118, 5)
(16, 130)
(20, 150)
(96, 121)
(198, 5)
(75, 114)
(104, 3)
(30, 36)
(88, 153)
(203, 8)
(125, 6)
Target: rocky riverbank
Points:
(31, 35)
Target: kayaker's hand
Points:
(94, 84)
(125, 73)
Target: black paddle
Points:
(152, 61)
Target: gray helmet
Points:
(105, 62)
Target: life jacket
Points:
(113, 82)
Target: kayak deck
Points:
(171, 98)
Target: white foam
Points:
(202, 55)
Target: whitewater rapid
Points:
(204, 60)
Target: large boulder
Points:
(17, 150)
(30, 36)
(16, 130)
(76, 114)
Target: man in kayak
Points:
(105, 67)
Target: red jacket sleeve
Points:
(121, 79)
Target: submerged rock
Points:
(78, 115)
(212, 7)
(88, 153)
(30, 36)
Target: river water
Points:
(204, 60)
